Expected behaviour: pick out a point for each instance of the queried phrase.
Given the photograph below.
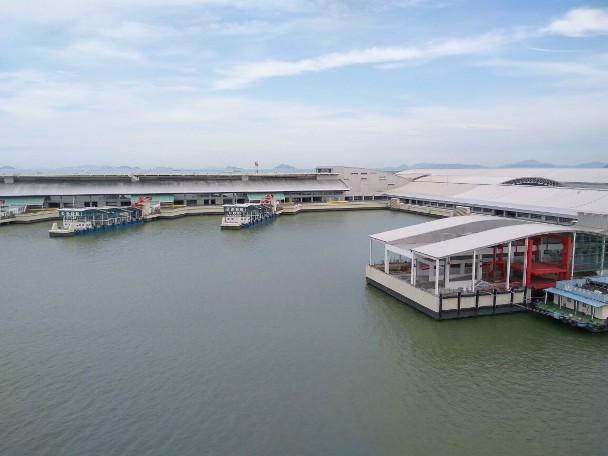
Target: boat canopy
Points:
(576, 297)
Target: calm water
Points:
(176, 338)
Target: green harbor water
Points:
(177, 338)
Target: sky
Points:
(214, 83)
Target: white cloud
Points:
(60, 10)
(248, 73)
(581, 22)
(137, 31)
(92, 51)
(146, 124)
(587, 72)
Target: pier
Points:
(482, 265)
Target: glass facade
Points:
(590, 252)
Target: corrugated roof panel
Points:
(499, 175)
(432, 188)
(466, 222)
(170, 187)
(491, 237)
(566, 201)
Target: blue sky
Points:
(211, 83)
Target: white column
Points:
(437, 276)
(370, 251)
(414, 267)
(386, 266)
(573, 251)
(446, 272)
(509, 267)
(474, 271)
(524, 281)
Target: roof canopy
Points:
(489, 238)
(266, 185)
(443, 229)
(458, 235)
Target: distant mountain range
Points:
(521, 164)
(285, 167)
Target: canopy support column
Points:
(474, 271)
(413, 269)
(508, 284)
(525, 272)
(437, 276)
(573, 253)
(386, 265)
(370, 251)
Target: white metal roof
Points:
(489, 238)
(497, 175)
(548, 200)
(263, 185)
(507, 206)
(465, 222)
(547, 197)
(436, 188)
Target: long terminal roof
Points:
(170, 186)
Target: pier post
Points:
(494, 301)
(512, 299)
(440, 305)
(458, 308)
(476, 301)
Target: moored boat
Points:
(246, 215)
(76, 221)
